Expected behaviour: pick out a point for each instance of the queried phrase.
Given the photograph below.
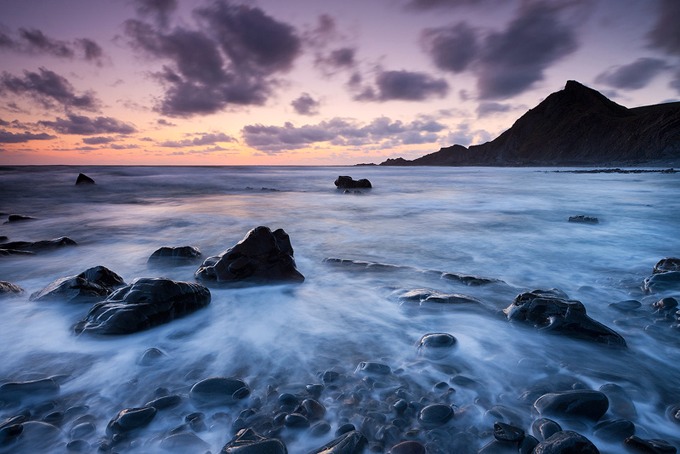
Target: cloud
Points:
(48, 88)
(230, 61)
(164, 122)
(305, 105)
(203, 139)
(665, 35)
(34, 41)
(452, 48)
(404, 86)
(91, 50)
(381, 131)
(343, 58)
(39, 42)
(634, 75)
(430, 4)
(160, 10)
(86, 126)
(10, 137)
(485, 109)
(98, 140)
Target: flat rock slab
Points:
(27, 247)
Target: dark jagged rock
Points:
(145, 303)
(219, 391)
(347, 182)
(262, 256)
(667, 264)
(352, 442)
(582, 219)
(130, 419)
(26, 247)
(583, 403)
(553, 312)
(83, 179)
(9, 289)
(93, 284)
(566, 442)
(247, 441)
(18, 218)
(653, 446)
(507, 433)
(574, 126)
(180, 254)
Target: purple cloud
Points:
(305, 105)
(203, 139)
(634, 75)
(22, 137)
(404, 86)
(98, 140)
(665, 35)
(452, 48)
(86, 126)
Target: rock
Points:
(151, 356)
(620, 403)
(667, 264)
(614, 429)
(554, 313)
(352, 442)
(262, 256)
(24, 247)
(665, 304)
(145, 303)
(566, 442)
(180, 254)
(247, 441)
(164, 402)
(673, 413)
(584, 403)
(347, 182)
(9, 289)
(18, 218)
(626, 305)
(436, 345)
(649, 446)
(408, 447)
(83, 179)
(507, 433)
(434, 415)
(93, 284)
(130, 419)
(544, 428)
(424, 296)
(13, 391)
(527, 445)
(581, 219)
(219, 391)
(368, 367)
(660, 282)
(185, 442)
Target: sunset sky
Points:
(311, 82)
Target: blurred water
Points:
(507, 224)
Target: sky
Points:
(308, 82)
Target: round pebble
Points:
(435, 415)
(219, 391)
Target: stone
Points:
(434, 415)
(652, 446)
(583, 403)
(626, 305)
(408, 447)
(424, 296)
(8, 289)
(614, 429)
(660, 282)
(673, 413)
(262, 256)
(83, 179)
(164, 402)
(665, 304)
(544, 428)
(18, 218)
(170, 255)
(185, 442)
(247, 441)
(27, 247)
(582, 219)
(351, 442)
(507, 433)
(219, 391)
(347, 182)
(130, 419)
(566, 442)
(667, 264)
(151, 356)
(93, 284)
(14, 391)
(551, 312)
(620, 403)
(146, 303)
(373, 368)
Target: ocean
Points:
(347, 327)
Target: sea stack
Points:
(83, 179)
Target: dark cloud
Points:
(665, 35)
(86, 126)
(98, 140)
(91, 50)
(160, 10)
(34, 41)
(203, 139)
(452, 48)
(341, 132)
(38, 41)
(21, 137)
(48, 88)
(6, 41)
(343, 58)
(405, 86)
(485, 109)
(634, 75)
(305, 105)
(430, 4)
(675, 83)
(164, 122)
(232, 60)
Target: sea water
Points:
(506, 224)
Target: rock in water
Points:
(566, 442)
(145, 303)
(130, 419)
(584, 403)
(18, 218)
(219, 391)
(178, 254)
(9, 289)
(95, 283)
(667, 264)
(83, 179)
(262, 256)
(347, 182)
(26, 247)
(552, 311)
(582, 219)
(247, 441)
(352, 442)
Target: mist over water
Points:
(505, 224)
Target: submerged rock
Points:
(27, 247)
(551, 311)
(219, 391)
(653, 446)
(660, 282)
(145, 303)
(83, 179)
(352, 442)
(14, 391)
(9, 289)
(566, 442)
(347, 182)
(436, 345)
(247, 441)
(95, 283)
(18, 218)
(130, 419)
(583, 403)
(262, 256)
(179, 254)
(425, 296)
(581, 219)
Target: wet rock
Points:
(544, 428)
(130, 419)
(247, 441)
(312, 409)
(653, 446)
(352, 442)
(36, 437)
(507, 433)
(146, 303)
(620, 403)
(14, 391)
(498, 447)
(93, 284)
(9, 434)
(661, 282)
(575, 403)
(347, 182)
(614, 429)
(83, 179)
(551, 312)
(8, 289)
(185, 442)
(296, 420)
(164, 402)
(527, 445)
(667, 264)
(262, 256)
(78, 446)
(566, 442)
(425, 296)
(18, 218)
(368, 367)
(434, 415)
(219, 391)
(319, 429)
(665, 304)
(673, 413)
(436, 344)
(408, 447)
(151, 356)
(174, 255)
(82, 430)
(626, 306)
(27, 247)
(582, 219)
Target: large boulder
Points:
(83, 179)
(553, 312)
(347, 182)
(262, 256)
(574, 403)
(95, 283)
(145, 303)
